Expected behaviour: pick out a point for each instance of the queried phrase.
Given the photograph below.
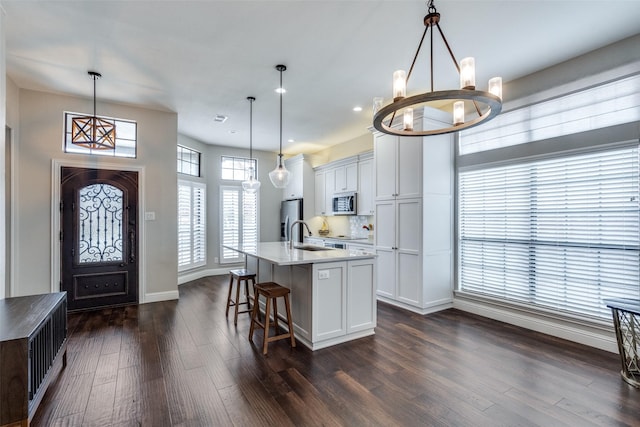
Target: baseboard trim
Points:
(189, 276)
(432, 308)
(161, 296)
(582, 334)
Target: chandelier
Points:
(252, 184)
(93, 132)
(280, 175)
(484, 105)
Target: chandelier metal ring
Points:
(487, 104)
(492, 101)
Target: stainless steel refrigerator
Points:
(290, 210)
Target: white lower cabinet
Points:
(399, 250)
(331, 302)
(361, 300)
(330, 293)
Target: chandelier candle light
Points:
(93, 132)
(487, 104)
(280, 175)
(252, 184)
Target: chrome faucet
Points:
(297, 221)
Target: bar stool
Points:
(271, 291)
(240, 275)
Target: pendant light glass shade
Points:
(280, 175)
(252, 184)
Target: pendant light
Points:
(90, 131)
(280, 175)
(252, 184)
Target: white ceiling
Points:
(203, 58)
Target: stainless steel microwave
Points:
(344, 204)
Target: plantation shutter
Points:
(560, 234)
(192, 233)
(239, 221)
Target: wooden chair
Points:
(271, 291)
(240, 275)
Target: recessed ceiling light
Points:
(220, 118)
(291, 140)
(357, 108)
(281, 90)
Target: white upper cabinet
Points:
(294, 189)
(398, 166)
(320, 203)
(324, 184)
(346, 178)
(301, 184)
(366, 199)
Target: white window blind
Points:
(239, 221)
(192, 230)
(598, 107)
(562, 234)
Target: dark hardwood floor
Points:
(182, 363)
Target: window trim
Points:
(182, 161)
(245, 160)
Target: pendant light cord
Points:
(281, 68)
(94, 94)
(251, 99)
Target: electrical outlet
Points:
(323, 274)
(215, 260)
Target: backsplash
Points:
(347, 225)
(357, 225)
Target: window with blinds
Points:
(239, 222)
(600, 106)
(192, 221)
(561, 233)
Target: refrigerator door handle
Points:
(286, 229)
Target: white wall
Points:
(40, 141)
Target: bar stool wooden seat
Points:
(240, 275)
(271, 291)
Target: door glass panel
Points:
(100, 224)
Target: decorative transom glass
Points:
(100, 224)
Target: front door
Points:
(99, 247)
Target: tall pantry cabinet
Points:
(413, 208)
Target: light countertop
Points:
(279, 253)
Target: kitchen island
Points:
(333, 291)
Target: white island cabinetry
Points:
(332, 291)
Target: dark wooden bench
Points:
(33, 351)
